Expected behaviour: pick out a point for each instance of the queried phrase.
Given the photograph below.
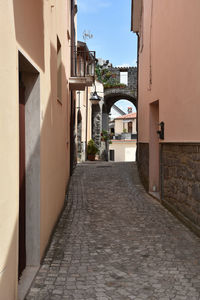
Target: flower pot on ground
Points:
(91, 157)
(92, 150)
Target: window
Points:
(124, 77)
(130, 127)
(59, 71)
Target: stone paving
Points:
(114, 241)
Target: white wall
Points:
(124, 150)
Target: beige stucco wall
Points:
(124, 150)
(86, 114)
(99, 88)
(81, 96)
(55, 123)
(31, 27)
(169, 54)
(134, 128)
(120, 125)
(9, 154)
(89, 131)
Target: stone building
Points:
(126, 77)
(168, 103)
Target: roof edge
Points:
(136, 13)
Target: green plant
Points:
(105, 136)
(108, 78)
(124, 130)
(109, 85)
(92, 148)
(98, 73)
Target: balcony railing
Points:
(83, 64)
(125, 136)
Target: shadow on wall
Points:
(55, 136)
(47, 168)
(29, 16)
(7, 282)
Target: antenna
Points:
(87, 35)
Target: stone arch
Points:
(113, 95)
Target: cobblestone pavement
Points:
(114, 241)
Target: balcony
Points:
(82, 70)
(125, 136)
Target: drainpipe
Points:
(86, 127)
(138, 47)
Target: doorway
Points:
(79, 136)
(22, 181)
(29, 165)
(154, 153)
(130, 127)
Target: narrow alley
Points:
(114, 241)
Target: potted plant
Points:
(91, 150)
(106, 136)
(125, 135)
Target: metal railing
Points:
(83, 63)
(125, 136)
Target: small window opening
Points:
(124, 77)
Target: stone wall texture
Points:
(143, 163)
(180, 177)
(97, 124)
(132, 76)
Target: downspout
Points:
(71, 93)
(86, 127)
(73, 104)
(150, 48)
(138, 47)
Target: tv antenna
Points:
(87, 35)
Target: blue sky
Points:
(123, 104)
(109, 21)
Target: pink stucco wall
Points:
(169, 68)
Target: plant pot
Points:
(91, 157)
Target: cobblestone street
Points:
(114, 241)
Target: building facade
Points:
(81, 84)
(38, 86)
(125, 124)
(124, 142)
(168, 103)
(88, 119)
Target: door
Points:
(130, 127)
(154, 155)
(112, 155)
(22, 181)
(72, 135)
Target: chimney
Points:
(129, 110)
